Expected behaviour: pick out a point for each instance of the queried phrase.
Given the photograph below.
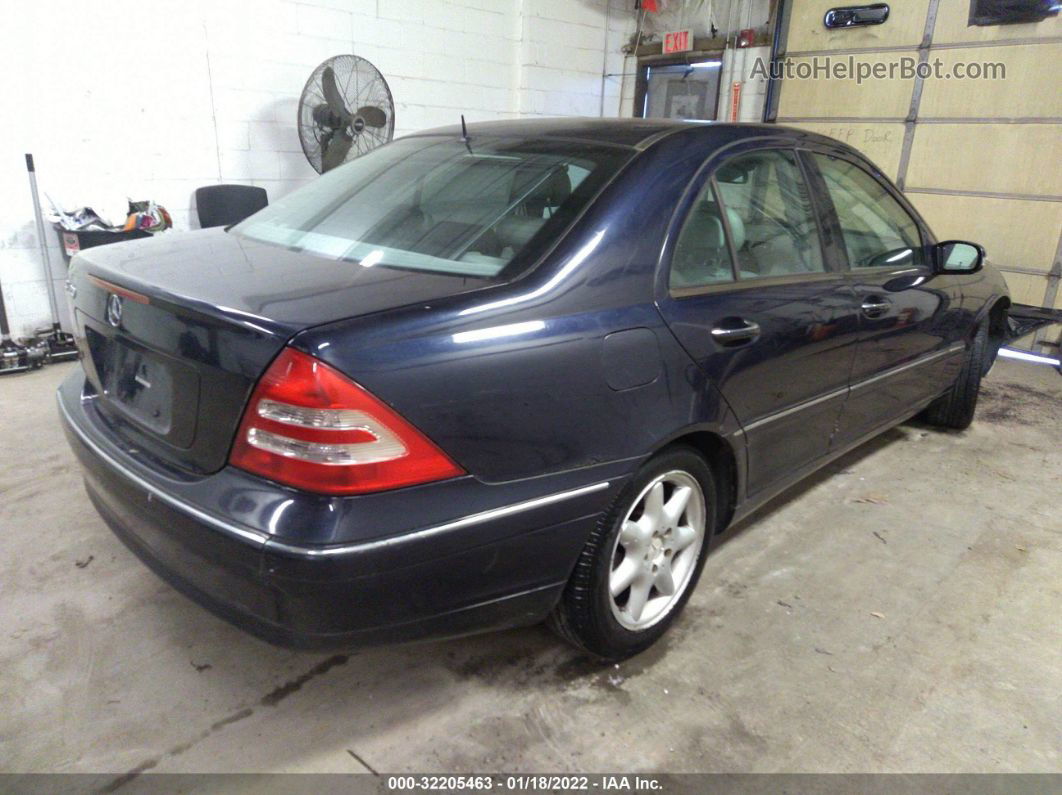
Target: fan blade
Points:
(332, 95)
(374, 117)
(335, 149)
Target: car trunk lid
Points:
(175, 331)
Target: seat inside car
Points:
(701, 255)
(520, 226)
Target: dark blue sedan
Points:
(462, 384)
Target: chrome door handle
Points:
(847, 16)
(875, 308)
(731, 336)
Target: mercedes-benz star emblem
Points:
(114, 310)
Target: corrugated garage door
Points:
(981, 159)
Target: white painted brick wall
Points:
(156, 101)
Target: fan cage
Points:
(360, 84)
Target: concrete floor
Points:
(899, 612)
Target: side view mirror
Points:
(958, 256)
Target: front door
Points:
(755, 303)
(909, 341)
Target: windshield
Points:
(435, 204)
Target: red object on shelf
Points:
(651, 5)
(746, 37)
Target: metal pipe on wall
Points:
(745, 56)
(37, 217)
(637, 41)
(604, 60)
(729, 51)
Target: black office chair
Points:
(222, 205)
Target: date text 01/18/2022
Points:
(525, 783)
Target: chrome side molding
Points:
(929, 358)
(837, 393)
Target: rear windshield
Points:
(435, 204)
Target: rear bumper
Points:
(503, 569)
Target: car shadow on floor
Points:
(405, 682)
(846, 462)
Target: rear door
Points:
(909, 318)
(759, 307)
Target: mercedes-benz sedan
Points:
(464, 384)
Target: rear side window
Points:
(877, 230)
(769, 212)
(701, 255)
(434, 204)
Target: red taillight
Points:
(311, 427)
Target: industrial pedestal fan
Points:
(345, 110)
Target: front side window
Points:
(434, 204)
(877, 230)
(770, 216)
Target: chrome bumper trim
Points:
(263, 540)
(242, 533)
(456, 524)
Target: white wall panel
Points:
(156, 101)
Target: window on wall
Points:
(681, 91)
(1011, 12)
(877, 230)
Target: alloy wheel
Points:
(656, 550)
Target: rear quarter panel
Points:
(514, 382)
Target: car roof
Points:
(637, 133)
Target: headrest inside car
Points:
(516, 230)
(737, 228)
(551, 192)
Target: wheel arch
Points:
(997, 329)
(722, 461)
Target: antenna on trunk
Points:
(464, 134)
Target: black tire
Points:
(955, 408)
(584, 616)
